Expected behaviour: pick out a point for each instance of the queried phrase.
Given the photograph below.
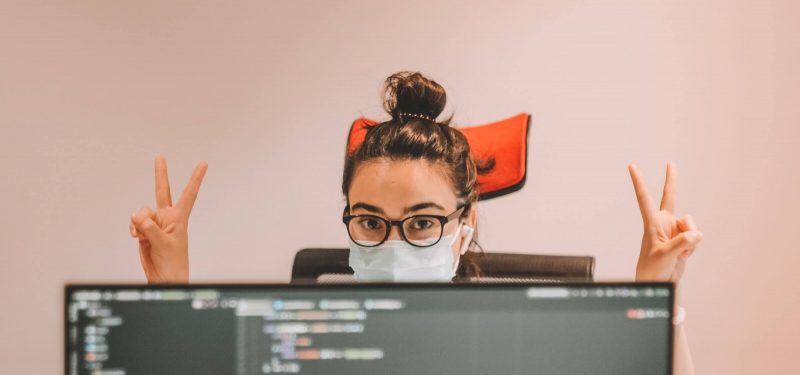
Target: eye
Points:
(370, 223)
(422, 223)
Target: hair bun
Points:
(411, 94)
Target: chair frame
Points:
(310, 264)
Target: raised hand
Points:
(668, 240)
(163, 233)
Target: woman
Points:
(411, 188)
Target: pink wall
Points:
(264, 91)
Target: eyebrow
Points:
(378, 210)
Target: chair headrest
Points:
(505, 142)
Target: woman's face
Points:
(398, 189)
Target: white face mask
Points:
(397, 260)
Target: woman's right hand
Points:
(163, 234)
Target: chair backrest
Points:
(331, 265)
(504, 142)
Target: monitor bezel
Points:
(71, 287)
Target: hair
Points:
(414, 102)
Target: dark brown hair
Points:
(414, 102)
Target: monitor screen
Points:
(600, 328)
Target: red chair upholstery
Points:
(505, 141)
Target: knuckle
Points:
(692, 237)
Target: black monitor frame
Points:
(70, 288)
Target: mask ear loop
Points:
(466, 231)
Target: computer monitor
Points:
(599, 328)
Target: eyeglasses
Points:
(417, 230)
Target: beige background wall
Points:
(264, 91)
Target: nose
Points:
(394, 233)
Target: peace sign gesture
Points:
(668, 240)
(163, 233)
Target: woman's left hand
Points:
(668, 240)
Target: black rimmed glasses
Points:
(417, 230)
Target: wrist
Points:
(679, 316)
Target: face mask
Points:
(397, 260)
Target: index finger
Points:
(646, 205)
(189, 195)
(163, 195)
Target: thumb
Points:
(685, 241)
(147, 227)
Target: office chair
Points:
(505, 144)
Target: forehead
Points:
(394, 185)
